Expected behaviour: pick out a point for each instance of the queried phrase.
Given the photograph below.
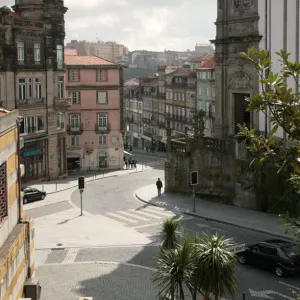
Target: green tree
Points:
(282, 103)
(216, 266)
(170, 234)
(203, 266)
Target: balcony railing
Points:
(62, 102)
(102, 129)
(31, 102)
(183, 85)
(78, 129)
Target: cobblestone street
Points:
(102, 281)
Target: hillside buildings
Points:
(16, 231)
(94, 118)
(272, 25)
(111, 51)
(32, 80)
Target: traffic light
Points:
(194, 178)
(81, 183)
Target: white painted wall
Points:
(275, 35)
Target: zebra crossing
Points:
(140, 215)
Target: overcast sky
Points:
(141, 24)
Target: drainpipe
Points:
(20, 218)
(15, 68)
(47, 112)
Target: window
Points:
(101, 75)
(75, 96)
(40, 123)
(206, 91)
(21, 54)
(59, 56)
(102, 121)
(22, 90)
(102, 140)
(213, 92)
(183, 97)
(140, 106)
(199, 91)
(31, 124)
(37, 53)
(75, 140)
(29, 85)
(3, 192)
(74, 75)
(61, 87)
(175, 96)
(74, 120)
(38, 89)
(102, 97)
(60, 120)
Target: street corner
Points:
(69, 229)
(53, 198)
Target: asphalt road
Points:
(113, 197)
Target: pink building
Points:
(93, 119)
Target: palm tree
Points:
(216, 266)
(174, 270)
(169, 234)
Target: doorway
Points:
(241, 116)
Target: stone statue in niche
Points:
(240, 81)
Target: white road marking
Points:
(166, 214)
(265, 294)
(132, 215)
(145, 214)
(71, 256)
(148, 225)
(121, 217)
(156, 207)
(290, 286)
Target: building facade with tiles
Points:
(94, 118)
(32, 80)
(16, 231)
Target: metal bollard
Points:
(244, 296)
(43, 188)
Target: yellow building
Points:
(16, 230)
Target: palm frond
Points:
(170, 233)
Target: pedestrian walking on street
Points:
(126, 164)
(134, 163)
(159, 185)
(129, 163)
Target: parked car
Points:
(276, 255)
(32, 194)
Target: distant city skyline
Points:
(141, 25)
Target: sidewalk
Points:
(59, 185)
(213, 211)
(144, 152)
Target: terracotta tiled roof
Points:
(198, 59)
(3, 111)
(15, 15)
(209, 64)
(151, 83)
(70, 51)
(183, 72)
(86, 60)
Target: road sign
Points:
(81, 182)
(194, 178)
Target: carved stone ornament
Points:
(240, 81)
(240, 28)
(242, 5)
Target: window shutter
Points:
(79, 97)
(106, 96)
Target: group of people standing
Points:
(130, 163)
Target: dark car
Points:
(32, 194)
(276, 255)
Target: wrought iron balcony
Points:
(32, 102)
(62, 102)
(102, 129)
(76, 130)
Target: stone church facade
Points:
(237, 30)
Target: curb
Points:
(71, 187)
(281, 236)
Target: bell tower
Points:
(237, 31)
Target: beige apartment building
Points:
(32, 81)
(108, 50)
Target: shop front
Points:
(33, 157)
